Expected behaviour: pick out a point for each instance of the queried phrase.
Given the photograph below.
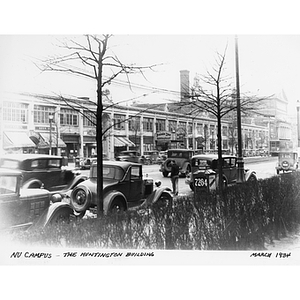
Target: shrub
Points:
(243, 218)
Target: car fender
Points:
(78, 179)
(155, 195)
(184, 167)
(110, 197)
(249, 173)
(48, 214)
(33, 183)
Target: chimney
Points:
(184, 84)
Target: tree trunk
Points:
(99, 138)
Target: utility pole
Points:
(240, 160)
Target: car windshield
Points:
(200, 162)
(109, 172)
(10, 164)
(178, 154)
(8, 185)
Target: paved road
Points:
(264, 167)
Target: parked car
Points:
(123, 187)
(150, 157)
(129, 155)
(182, 157)
(24, 208)
(85, 163)
(39, 170)
(287, 161)
(162, 156)
(210, 162)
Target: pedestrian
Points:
(174, 177)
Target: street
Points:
(263, 168)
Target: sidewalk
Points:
(289, 243)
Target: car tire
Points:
(191, 186)
(63, 215)
(117, 206)
(168, 165)
(80, 199)
(252, 178)
(164, 200)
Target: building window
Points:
(225, 131)
(148, 124)
(89, 119)
(190, 128)
(160, 125)
(200, 129)
(172, 126)
(134, 123)
(68, 117)
(119, 122)
(15, 112)
(41, 114)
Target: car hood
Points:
(107, 182)
(123, 156)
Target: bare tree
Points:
(96, 58)
(216, 96)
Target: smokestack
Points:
(184, 84)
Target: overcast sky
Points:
(268, 64)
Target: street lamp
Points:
(50, 137)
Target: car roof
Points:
(211, 156)
(4, 171)
(21, 157)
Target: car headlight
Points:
(56, 198)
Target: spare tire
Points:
(80, 198)
(168, 165)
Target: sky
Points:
(268, 64)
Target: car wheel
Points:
(63, 215)
(165, 174)
(191, 186)
(164, 200)
(80, 199)
(252, 178)
(117, 206)
(168, 165)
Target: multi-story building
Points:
(40, 123)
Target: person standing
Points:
(174, 177)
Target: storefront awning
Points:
(55, 141)
(123, 141)
(17, 140)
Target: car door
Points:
(136, 184)
(55, 176)
(233, 170)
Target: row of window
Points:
(18, 112)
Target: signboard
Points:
(163, 135)
(180, 133)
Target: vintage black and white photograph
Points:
(149, 148)
(197, 144)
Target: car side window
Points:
(226, 162)
(38, 164)
(54, 163)
(135, 172)
(232, 162)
